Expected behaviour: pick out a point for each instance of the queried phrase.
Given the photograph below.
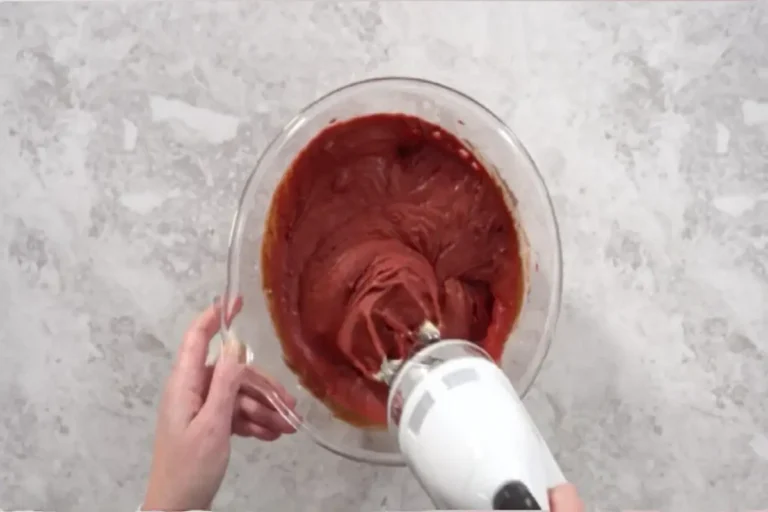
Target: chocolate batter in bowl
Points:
(383, 204)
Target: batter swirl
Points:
(381, 222)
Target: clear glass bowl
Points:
(504, 156)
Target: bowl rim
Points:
(555, 300)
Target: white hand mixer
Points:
(463, 429)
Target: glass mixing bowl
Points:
(504, 157)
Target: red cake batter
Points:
(381, 222)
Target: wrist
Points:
(155, 500)
(158, 499)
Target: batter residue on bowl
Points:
(381, 222)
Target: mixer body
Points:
(465, 433)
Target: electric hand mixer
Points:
(463, 429)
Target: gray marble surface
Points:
(127, 130)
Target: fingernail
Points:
(234, 350)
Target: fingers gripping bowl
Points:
(523, 193)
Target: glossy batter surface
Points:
(382, 222)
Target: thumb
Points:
(565, 498)
(227, 376)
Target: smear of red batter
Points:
(384, 221)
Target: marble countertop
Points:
(126, 132)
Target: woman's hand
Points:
(201, 408)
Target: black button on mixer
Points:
(514, 496)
